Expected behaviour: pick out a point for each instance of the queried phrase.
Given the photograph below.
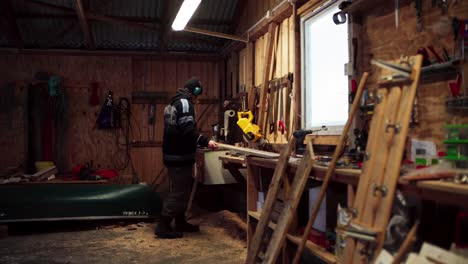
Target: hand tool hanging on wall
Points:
(455, 86)
(281, 105)
(355, 52)
(436, 55)
(108, 116)
(425, 54)
(271, 107)
(276, 107)
(152, 120)
(151, 113)
(418, 6)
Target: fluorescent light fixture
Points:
(186, 11)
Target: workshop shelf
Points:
(295, 239)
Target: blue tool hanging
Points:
(109, 117)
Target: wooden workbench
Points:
(439, 191)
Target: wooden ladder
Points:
(388, 130)
(271, 247)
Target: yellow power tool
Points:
(251, 131)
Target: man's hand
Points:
(212, 145)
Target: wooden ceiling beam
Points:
(138, 55)
(182, 36)
(155, 20)
(110, 20)
(84, 24)
(215, 34)
(92, 16)
(12, 26)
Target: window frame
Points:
(332, 130)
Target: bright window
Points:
(324, 83)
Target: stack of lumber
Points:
(16, 175)
(10, 174)
(45, 174)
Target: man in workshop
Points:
(180, 141)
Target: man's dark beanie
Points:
(192, 83)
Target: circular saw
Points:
(251, 131)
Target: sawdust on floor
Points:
(221, 240)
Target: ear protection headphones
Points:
(197, 90)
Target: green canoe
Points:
(54, 202)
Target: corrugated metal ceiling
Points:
(47, 24)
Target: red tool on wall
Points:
(455, 86)
(436, 55)
(281, 110)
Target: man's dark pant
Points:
(180, 186)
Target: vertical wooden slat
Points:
(235, 73)
(285, 47)
(195, 69)
(170, 76)
(222, 79)
(279, 53)
(258, 60)
(229, 78)
(296, 71)
(182, 73)
(250, 72)
(266, 75)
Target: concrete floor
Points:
(133, 243)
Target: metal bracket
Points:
(367, 251)
(396, 127)
(399, 68)
(382, 189)
(354, 211)
(367, 156)
(379, 98)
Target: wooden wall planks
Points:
(284, 61)
(122, 75)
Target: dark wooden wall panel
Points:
(121, 75)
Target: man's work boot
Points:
(181, 225)
(164, 229)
